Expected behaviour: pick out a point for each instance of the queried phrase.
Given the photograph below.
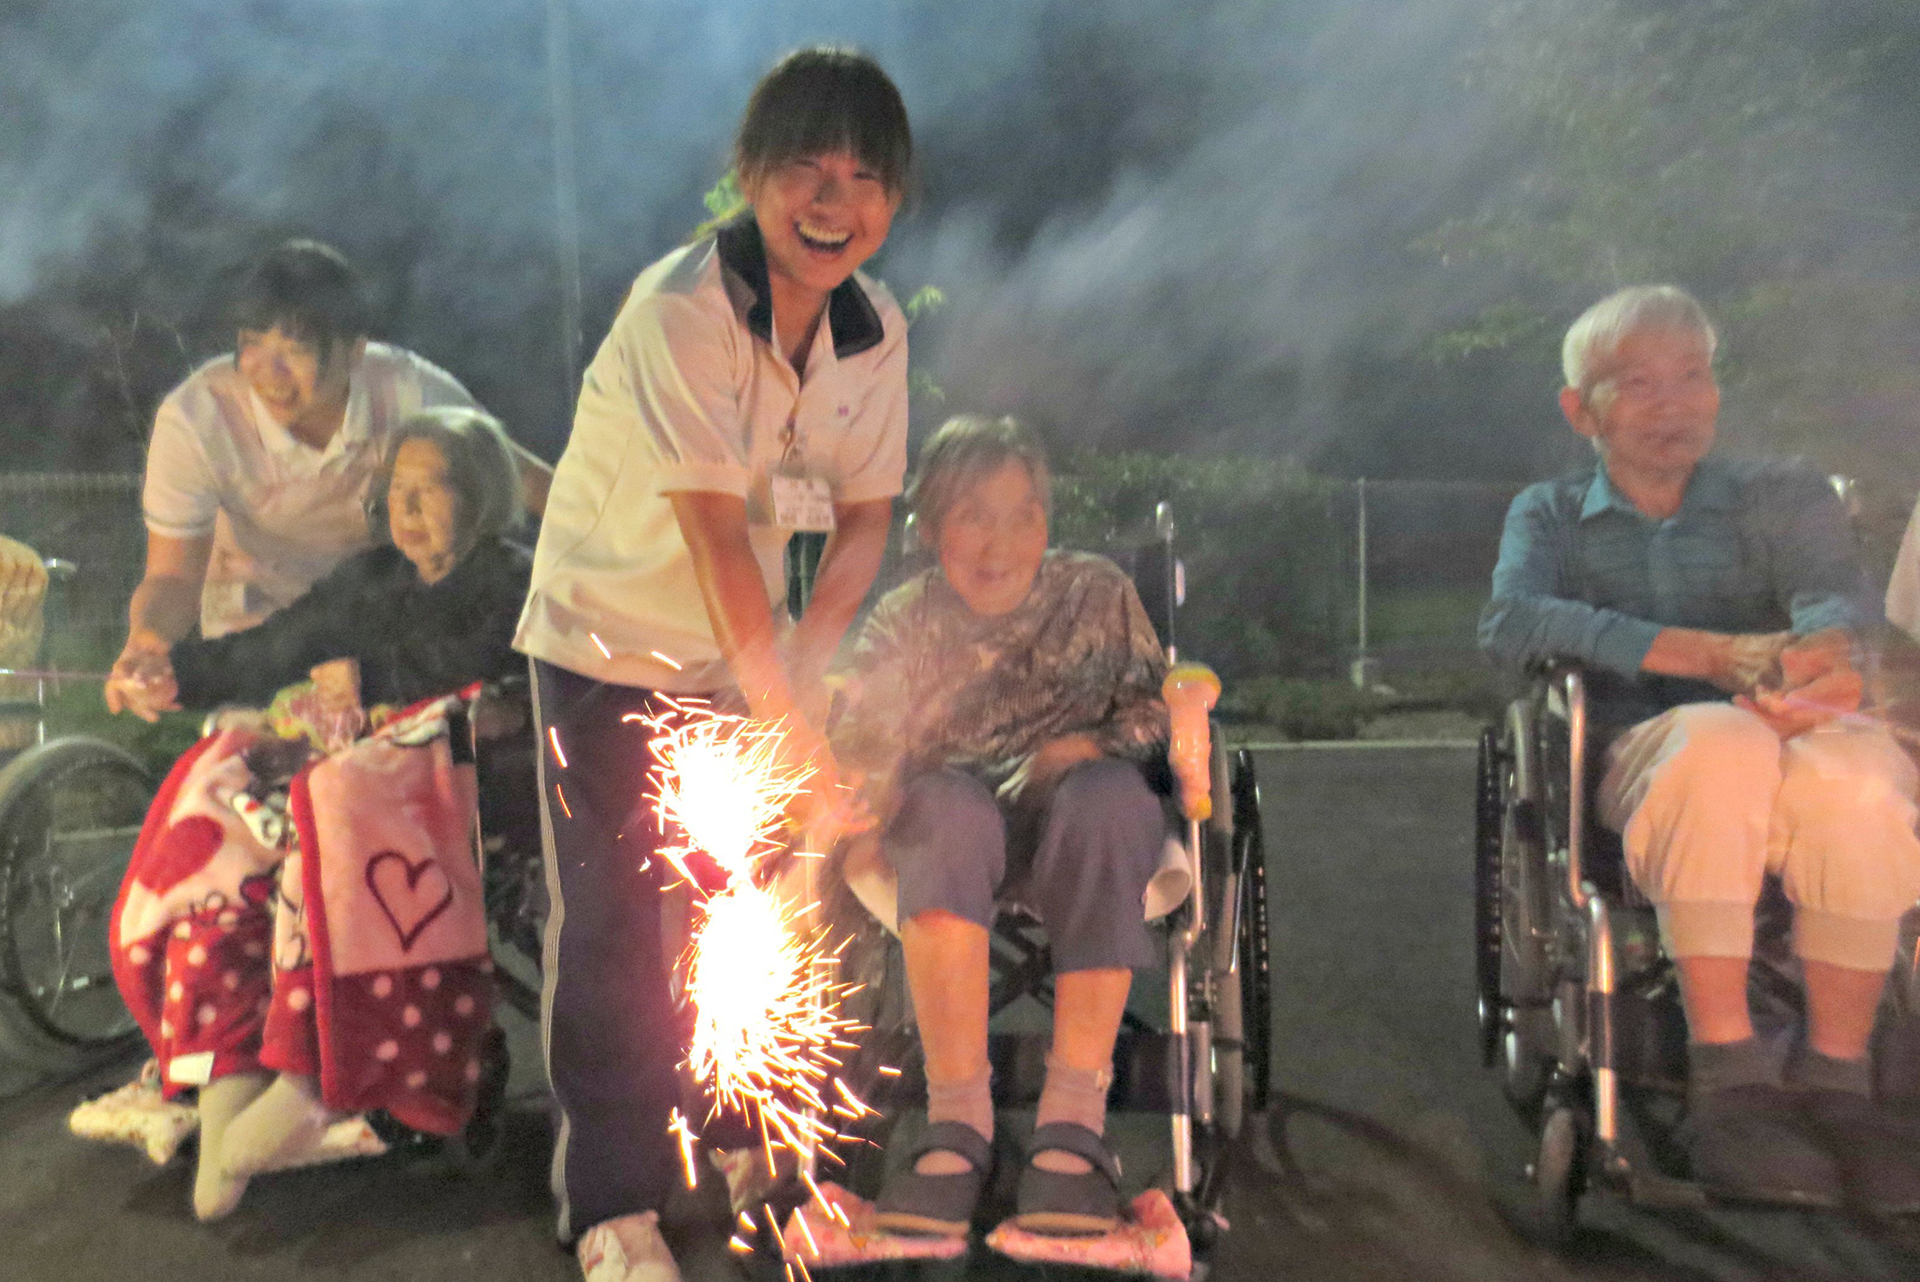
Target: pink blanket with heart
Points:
(342, 939)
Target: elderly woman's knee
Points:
(945, 796)
(1106, 790)
(946, 844)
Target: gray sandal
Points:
(919, 1205)
(1069, 1205)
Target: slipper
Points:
(936, 1205)
(1069, 1204)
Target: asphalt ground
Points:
(1389, 1153)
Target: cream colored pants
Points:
(1708, 800)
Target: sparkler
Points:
(758, 969)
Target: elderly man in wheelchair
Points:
(1002, 709)
(1722, 618)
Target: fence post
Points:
(1361, 671)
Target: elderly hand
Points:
(825, 808)
(1043, 768)
(1735, 662)
(142, 680)
(1817, 683)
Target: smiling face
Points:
(299, 386)
(821, 217)
(1653, 408)
(422, 507)
(992, 539)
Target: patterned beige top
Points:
(930, 683)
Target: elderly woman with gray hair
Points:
(1000, 711)
(425, 611)
(218, 875)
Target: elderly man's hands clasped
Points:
(1816, 682)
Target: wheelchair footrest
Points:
(1151, 1241)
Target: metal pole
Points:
(566, 190)
(1362, 676)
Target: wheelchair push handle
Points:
(1191, 690)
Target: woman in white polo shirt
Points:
(259, 462)
(753, 384)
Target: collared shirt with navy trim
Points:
(692, 392)
(1756, 546)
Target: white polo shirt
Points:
(689, 393)
(281, 514)
(1903, 589)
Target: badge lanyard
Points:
(800, 502)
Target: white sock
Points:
(287, 1120)
(968, 1100)
(1071, 1095)
(216, 1190)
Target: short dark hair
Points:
(307, 290)
(480, 467)
(966, 449)
(825, 99)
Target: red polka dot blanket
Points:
(331, 927)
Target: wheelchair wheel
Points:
(479, 1145)
(1243, 1003)
(1512, 906)
(1559, 1173)
(1488, 790)
(70, 811)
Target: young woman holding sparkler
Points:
(753, 384)
(1001, 707)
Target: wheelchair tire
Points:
(477, 1148)
(70, 811)
(1488, 798)
(1558, 1174)
(1513, 905)
(1243, 1001)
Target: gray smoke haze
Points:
(1155, 221)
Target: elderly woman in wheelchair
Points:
(289, 863)
(1000, 709)
(1720, 611)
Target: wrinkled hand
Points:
(1751, 660)
(142, 680)
(1044, 767)
(825, 807)
(1817, 682)
(337, 685)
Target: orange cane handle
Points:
(1191, 690)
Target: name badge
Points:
(802, 503)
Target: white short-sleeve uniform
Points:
(281, 514)
(1903, 589)
(689, 392)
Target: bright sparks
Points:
(758, 971)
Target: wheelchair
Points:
(70, 810)
(1579, 1007)
(507, 847)
(1205, 1063)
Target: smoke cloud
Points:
(1155, 223)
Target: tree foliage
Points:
(1716, 144)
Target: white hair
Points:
(1594, 340)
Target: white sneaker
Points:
(628, 1248)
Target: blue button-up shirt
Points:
(1756, 546)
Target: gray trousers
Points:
(1080, 865)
